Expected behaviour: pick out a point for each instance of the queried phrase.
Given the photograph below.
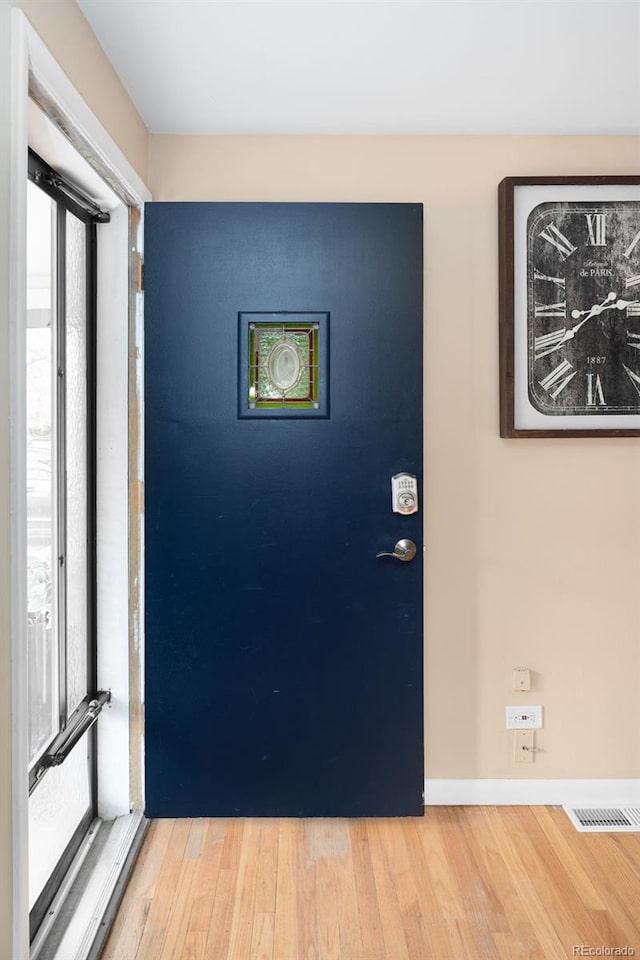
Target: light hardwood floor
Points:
(462, 883)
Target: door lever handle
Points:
(404, 550)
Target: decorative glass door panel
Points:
(283, 365)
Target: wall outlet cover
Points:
(524, 718)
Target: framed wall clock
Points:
(569, 306)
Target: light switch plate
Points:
(524, 746)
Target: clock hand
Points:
(597, 308)
(609, 303)
(593, 312)
(618, 305)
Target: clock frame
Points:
(553, 234)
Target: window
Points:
(283, 361)
(61, 568)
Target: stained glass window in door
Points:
(284, 363)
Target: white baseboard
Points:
(531, 792)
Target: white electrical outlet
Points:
(524, 718)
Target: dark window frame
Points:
(69, 199)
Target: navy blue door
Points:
(283, 347)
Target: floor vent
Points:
(605, 819)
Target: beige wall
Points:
(533, 546)
(64, 30)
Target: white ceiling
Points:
(389, 66)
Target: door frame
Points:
(29, 71)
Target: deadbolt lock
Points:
(404, 493)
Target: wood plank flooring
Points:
(461, 883)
